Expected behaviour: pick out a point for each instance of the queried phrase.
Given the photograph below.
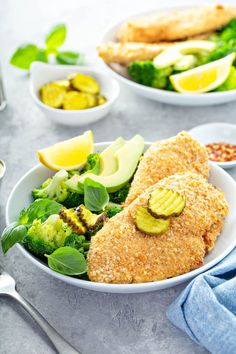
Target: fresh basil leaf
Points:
(69, 58)
(40, 209)
(67, 260)
(12, 234)
(24, 56)
(42, 56)
(80, 188)
(95, 195)
(56, 37)
(23, 218)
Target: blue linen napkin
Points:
(206, 309)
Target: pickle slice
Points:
(164, 203)
(62, 83)
(74, 100)
(85, 83)
(146, 223)
(52, 95)
(91, 221)
(92, 100)
(101, 100)
(70, 217)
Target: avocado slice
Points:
(73, 182)
(108, 160)
(173, 54)
(128, 158)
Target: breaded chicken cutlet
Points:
(176, 25)
(143, 38)
(126, 53)
(164, 158)
(120, 253)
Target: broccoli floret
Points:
(77, 241)
(145, 73)
(120, 196)
(44, 238)
(229, 31)
(73, 200)
(225, 40)
(92, 164)
(53, 188)
(113, 211)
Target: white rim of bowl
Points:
(78, 111)
(126, 288)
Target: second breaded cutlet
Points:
(120, 253)
(176, 25)
(164, 158)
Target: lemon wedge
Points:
(204, 78)
(69, 154)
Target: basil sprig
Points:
(26, 54)
(68, 261)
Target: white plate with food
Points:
(162, 229)
(168, 58)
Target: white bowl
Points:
(175, 98)
(41, 73)
(216, 133)
(20, 198)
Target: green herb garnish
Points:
(96, 196)
(26, 54)
(67, 261)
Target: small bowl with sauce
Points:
(220, 141)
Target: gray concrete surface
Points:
(94, 322)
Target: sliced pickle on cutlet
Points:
(70, 217)
(146, 223)
(90, 220)
(164, 203)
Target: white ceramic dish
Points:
(41, 73)
(216, 133)
(20, 197)
(175, 98)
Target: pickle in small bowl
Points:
(77, 91)
(57, 91)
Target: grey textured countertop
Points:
(94, 322)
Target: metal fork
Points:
(8, 288)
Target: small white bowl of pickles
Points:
(72, 95)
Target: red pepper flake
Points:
(221, 152)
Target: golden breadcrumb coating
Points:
(176, 25)
(120, 253)
(125, 53)
(164, 158)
